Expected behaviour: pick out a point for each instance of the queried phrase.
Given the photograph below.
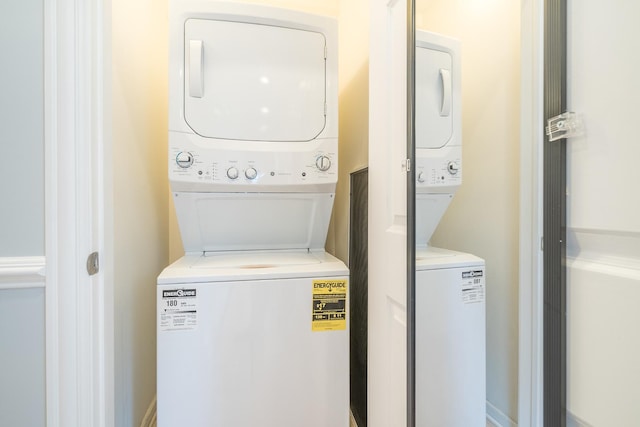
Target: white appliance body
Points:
(450, 339)
(253, 108)
(237, 345)
(252, 321)
(438, 128)
(450, 286)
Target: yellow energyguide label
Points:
(329, 310)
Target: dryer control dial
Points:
(323, 163)
(453, 168)
(421, 177)
(232, 173)
(184, 159)
(251, 173)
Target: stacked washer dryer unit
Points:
(450, 299)
(252, 323)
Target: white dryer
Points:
(252, 322)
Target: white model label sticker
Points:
(178, 309)
(472, 286)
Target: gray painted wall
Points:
(22, 324)
(22, 361)
(21, 128)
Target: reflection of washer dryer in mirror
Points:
(438, 129)
(434, 95)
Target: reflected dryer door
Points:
(253, 82)
(434, 97)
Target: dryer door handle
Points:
(445, 79)
(196, 68)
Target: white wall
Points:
(141, 197)
(483, 217)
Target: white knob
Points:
(420, 176)
(453, 168)
(251, 173)
(232, 173)
(323, 163)
(184, 159)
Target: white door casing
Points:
(387, 345)
(79, 331)
(530, 268)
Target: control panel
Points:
(193, 168)
(438, 173)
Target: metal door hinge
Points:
(93, 263)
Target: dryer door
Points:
(253, 82)
(434, 97)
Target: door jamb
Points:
(530, 379)
(78, 218)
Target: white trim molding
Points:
(22, 272)
(79, 319)
(498, 418)
(530, 382)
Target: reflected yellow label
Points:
(329, 310)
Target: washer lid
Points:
(252, 265)
(254, 82)
(431, 258)
(255, 260)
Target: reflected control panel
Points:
(438, 170)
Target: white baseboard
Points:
(352, 421)
(497, 418)
(573, 421)
(149, 419)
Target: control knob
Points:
(251, 173)
(323, 163)
(232, 173)
(184, 159)
(420, 176)
(453, 168)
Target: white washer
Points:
(450, 339)
(253, 339)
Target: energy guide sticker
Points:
(329, 310)
(472, 286)
(178, 309)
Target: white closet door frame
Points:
(79, 307)
(530, 380)
(387, 288)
